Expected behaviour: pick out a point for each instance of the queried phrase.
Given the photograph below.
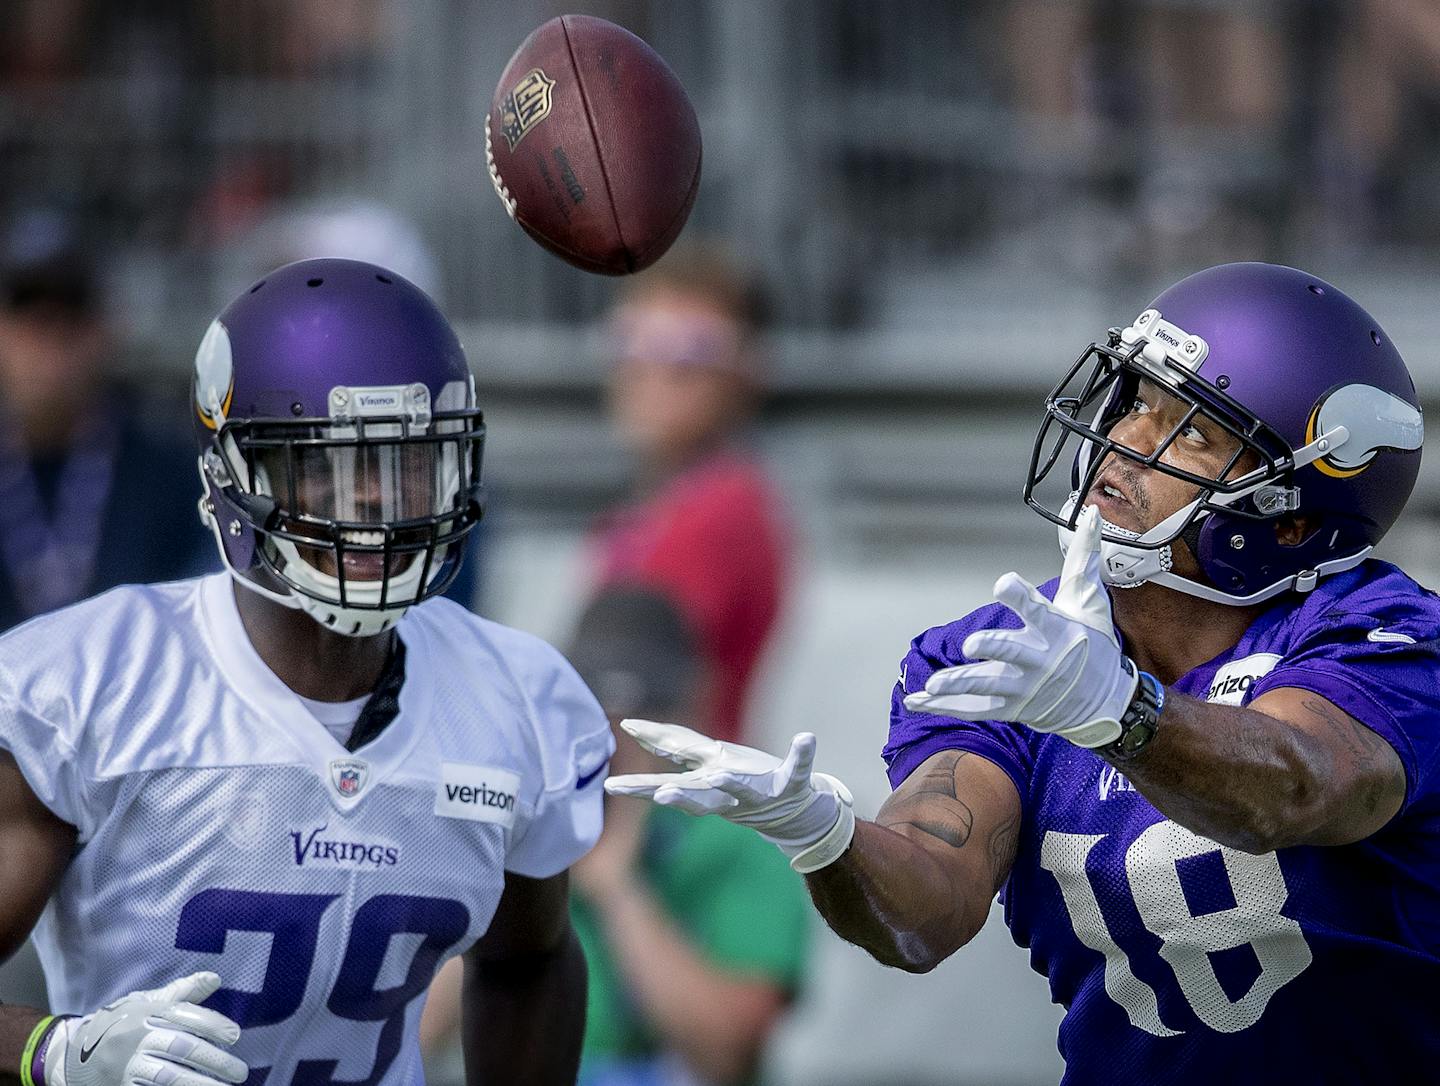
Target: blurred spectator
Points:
(83, 481)
(689, 971)
(296, 38)
(46, 40)
(284, 60)
(1194, 91)
(1204, 63)
(704, 523)
(354, 227)
(1383, 178)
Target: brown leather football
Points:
(593, 145)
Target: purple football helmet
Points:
(340, 445)
(1317, 401)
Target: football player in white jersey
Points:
(248, 816)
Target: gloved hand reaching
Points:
(809, 816)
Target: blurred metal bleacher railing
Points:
(926, 236)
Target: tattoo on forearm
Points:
(954, 834)
(1367, 753)
(1001, 848)
(1359, 742)
(939, 779)
(950, 821)
(905, 900)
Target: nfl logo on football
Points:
(348, 776)
(526, 105)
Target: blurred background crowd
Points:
(803, 435)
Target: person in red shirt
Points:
(703, 523)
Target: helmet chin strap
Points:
(341, 620)
(345, 621)
(348, 621)
(1122, 566)
(285, 599)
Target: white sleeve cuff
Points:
(832, 845)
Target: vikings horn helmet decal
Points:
(340, 445)
(1318, 402)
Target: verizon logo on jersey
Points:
(1233, 681)
(478, 793)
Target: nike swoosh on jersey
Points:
(1380, 635)
(582, 781)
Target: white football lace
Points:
(501, 189)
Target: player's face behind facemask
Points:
(1153, 455)
(353, 525)
(1325, 430)
(343, 498)
(1150, 420)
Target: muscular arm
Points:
(916, 884)
(524, 990)
(35, 842)
(1290, 769)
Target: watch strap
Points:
(1141, 719)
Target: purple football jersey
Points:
(1180, 960)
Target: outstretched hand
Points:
(1061, 672)
(788, 803)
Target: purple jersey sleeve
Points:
(914, 737)
(1380, 664)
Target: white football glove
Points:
(156, 1038)
(809, 816)
(1062, 672)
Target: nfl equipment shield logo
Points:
(348, 775)
(525, 106)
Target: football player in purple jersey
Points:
(1201, 766)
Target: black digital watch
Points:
(1141, 719)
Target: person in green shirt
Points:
(695, 930)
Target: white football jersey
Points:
(222, 827)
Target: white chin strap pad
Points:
(349, 621)
(1122, 566)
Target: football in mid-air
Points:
(593, 145)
